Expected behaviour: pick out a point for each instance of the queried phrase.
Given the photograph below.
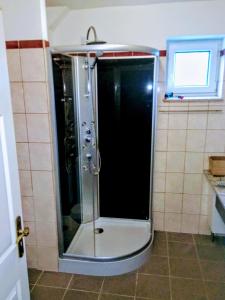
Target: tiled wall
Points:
(187, 133)
(28, 76)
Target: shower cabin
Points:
(103, 115)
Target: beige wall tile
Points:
(14, 66)
(45, 208)
(31, 239)
(190, 223)
(40, 156)
(215, 141)
(204, 205)
(17, 97)
(158, 202)
(46, 233)
(176, 140)
(161, 89)
(162, 69)
(161, 140)
(20, 127)
(159, 221)
(192, 184)
(32, 256)
(159, 182)
(48, 258)
(197, 120)
(173, 222)
(42, 184)
(203, 225)
(174, 182)
(38, 128)
(216, 120)
(160, 161)
(25, 183)
(194, 162)
(28, 209)
(35, 95)
(203, 104)
(175, 161)
(34, 71)
(195, 140)
(162, 120)
(23, 156)
(205, 186)
(206, 161)
(215, 104)
(173, 202)
(177, 120)
(178, 105)
(191, 204)
(29, 94)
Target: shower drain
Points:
(99, 230)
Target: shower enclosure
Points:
(103, 116)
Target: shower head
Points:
(95, 41)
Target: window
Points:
(194, 69)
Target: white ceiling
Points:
(82, 4)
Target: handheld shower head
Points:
(97, 55)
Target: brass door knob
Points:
(22, 233)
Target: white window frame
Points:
(214, 88)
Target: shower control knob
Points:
(88, 156)
(88, 131)
(87, 139)
(85, 168)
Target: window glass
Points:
(191, 69)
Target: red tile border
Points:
(27, 44)
(46, 44)
(141, 54)
(162, 53)
(108, 54)
(12, 44)
(123, 54)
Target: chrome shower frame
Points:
(100, 266)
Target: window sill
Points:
(193, 99)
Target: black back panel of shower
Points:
(125, 101)
(67, 145)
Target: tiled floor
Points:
(181, 267)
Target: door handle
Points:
(20, 234)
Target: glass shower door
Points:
(125, 109)
(125, 101)
(68, 155)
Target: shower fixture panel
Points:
(86, 138)
(104, 143)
